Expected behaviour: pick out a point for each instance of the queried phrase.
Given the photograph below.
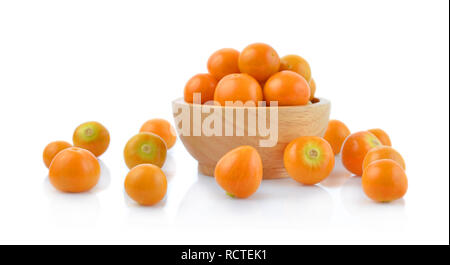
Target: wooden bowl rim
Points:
(322, 101)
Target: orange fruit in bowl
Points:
(288, 88)
(92, 136)
(52, 149)
(239, 172)
(238, 87)
(297, 64)
(162, 128)
(145, 148)
(308, 159)
(74, 170)
(384, 180)
(312, 88)
(335, 134)
(146, 184)
(383, 152)
(355, 148)
(205, 84)
(223, 62)
(382, 136)
(259, 60)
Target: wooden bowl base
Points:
(269, 173)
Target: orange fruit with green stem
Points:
(308, 159)
(162, 128)
(287, 88)
(239, 172)
(296, 64)
(223, 62)
(259, 60)
(92, 136)
(52, 149)
(355, 148)
(335, 134)
(145, 148)
(382, 136)
(146, 184)
(74, 170)
(383, 152)
(384, 181)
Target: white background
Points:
(381, 63)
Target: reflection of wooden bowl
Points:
(293, 121)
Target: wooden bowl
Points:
(293, 121)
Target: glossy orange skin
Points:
(259, 60)
(162, 128)
(355, 148)
(382, 136)
(308, 159)
(92, 136)
(145, 148)
(52, 149)
(223, 62)
(335, 134)
(146, 184)
(74, 170)
(288, 88)
(205, 84)
(239, 172)
(384, 180)
(312, 88)
(383, 152)
(238, 87)
(297, 64)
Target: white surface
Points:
(381, 63)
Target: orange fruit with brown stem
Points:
(384, 180)
(146, 184)
(239, 172)
(162, 128)
(355, 148)
(74, 170)
(296, 64)
(308, 159)
(335, 134)
(288, 88)
(92, 136)
(145, 148)
(383, 152)
(382, 136)
(204, 84)
(259, 60)
(52, 149)
(223, 62)
(238, 87)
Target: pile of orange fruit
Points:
(255, 74)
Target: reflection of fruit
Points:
(383, 152)
(355, 148)
(336, 133)
(223, 62)
(91, 136)
(312, 88)
(205, 84)
(52, 149)
(384, 180)
(382, 136)
(146, 184)
(297, 64)
(162, 128)
(309, 159)
(238, 87)
(239, 172)
(145, 148)
(74, 170)
(288, 88)
(259, 60)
